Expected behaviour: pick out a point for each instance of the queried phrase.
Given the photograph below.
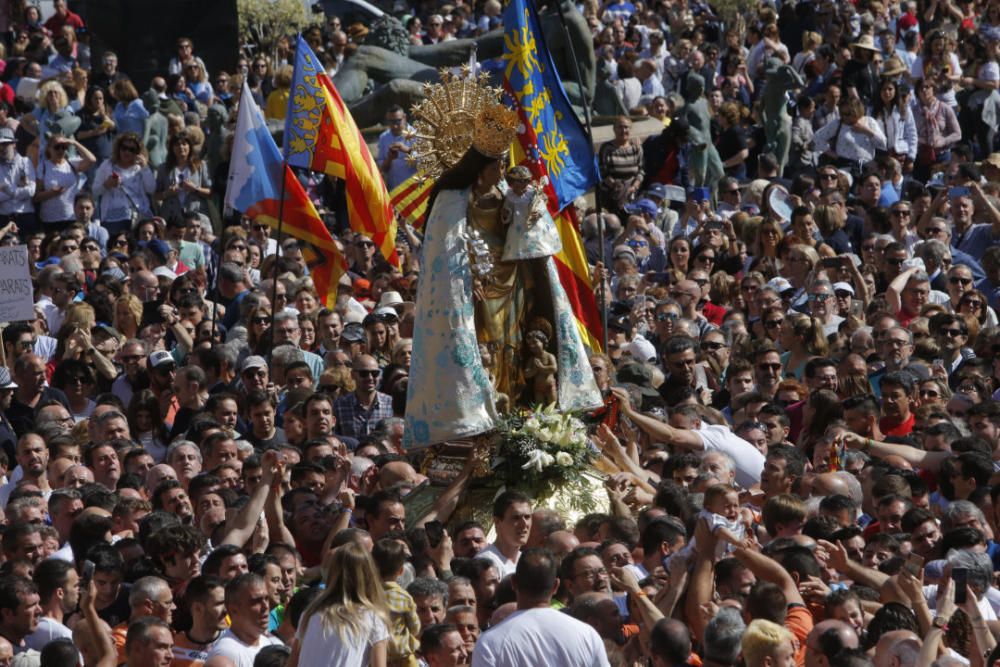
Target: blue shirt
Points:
(355, 420)
(131, 118)
(975, 240)
(398, 170)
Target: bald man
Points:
(394, 472)
(561, 543)
(898, 648)
(826, 639)
(830, 484)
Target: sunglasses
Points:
(366, 373)
(901, 212)
(129, 149)
(819, 297)
(769, 367)
(62, 148)
(955, 280)
(975, 303)
(950, 333)
(712, 346)
(662, 317)
(772, 324)
(895, 262)
(708, 259)
(261, 320)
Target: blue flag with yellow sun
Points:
(554, 135)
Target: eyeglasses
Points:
(749, 288)
(895, 261)
(261, 320)
(951, 333)
(901, 212)
(89, 247)
(127, 148)
(366, 373)
(769, 367)
(77, 380)
(975, 303)
(955, 280)
(819, 297)
(636, 243)
(827, 176)
(120, 243)
(771, 324)
(707, 259)
(237, 246)
(662, 317)
(896, 342)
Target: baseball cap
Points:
(164, 272)
(640, 349)
(5, 380)
(642, 206)
(253, 361)
(353, 333)
(779, 285)
(657, 190)
(159, 248)
(639, 375)
(843, 287)
(161, 358)
(115, 274)
(386, 311)
(6, 135)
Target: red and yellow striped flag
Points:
(321, 135)
(409, 199)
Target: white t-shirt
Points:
(322, 645)
(48, 630)
(229, 646)
(540, 637)
(66, 175)
(985, 608)
(503, 565)
(749, 461)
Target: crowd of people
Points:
(204, 465)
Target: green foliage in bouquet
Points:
(544, 452)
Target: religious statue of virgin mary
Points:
(493, 326)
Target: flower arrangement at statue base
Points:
(548, 455)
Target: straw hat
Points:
(866, 42)
(893, 67)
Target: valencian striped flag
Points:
(254, 188)
(409, 199)
(320, 135)
(553, 144)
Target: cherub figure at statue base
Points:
(540, 366)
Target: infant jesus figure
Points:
(540, 365)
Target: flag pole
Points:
(277, 252)
(590, 137)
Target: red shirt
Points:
(56, 22)
(892, 426)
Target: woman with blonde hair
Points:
(802, 338)
(348, 624)
(128, 315)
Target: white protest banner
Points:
(17, 300)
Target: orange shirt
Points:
(188, 653)
(800, 622)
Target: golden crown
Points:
(459, 112)
(496, 128)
